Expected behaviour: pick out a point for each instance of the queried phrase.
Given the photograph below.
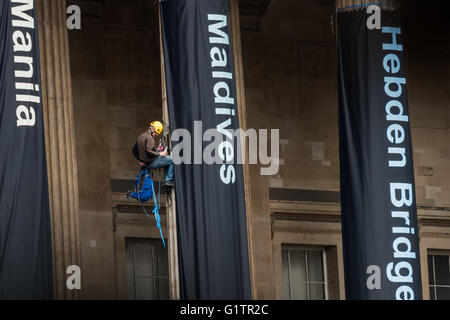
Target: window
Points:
(439, 276)
(304, 274)
(147, 269)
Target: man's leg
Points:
(168, 170)
(166, 163)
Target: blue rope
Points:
(156, 212)
(159, 186)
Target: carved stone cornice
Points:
(310, 217)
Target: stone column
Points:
(172, 242)
(242, 112)
(60, 141)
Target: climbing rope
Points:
(156, 213)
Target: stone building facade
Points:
(103, 87)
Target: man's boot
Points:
(169, 184)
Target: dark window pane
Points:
(298, 270)
(143, 259)
(129, 258)
(162, 262)
(441, 265)
(316, 292)
(163, 289)
(298, 291)
(443, 293)
(285, 264)
(129, 249)
(144, 288)
(432, 296)
(130, 285)
(430, 269)
(315, 266)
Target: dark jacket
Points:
(144, 150)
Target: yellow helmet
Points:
(158, 126)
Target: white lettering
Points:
(25, 116)
(26, 21)
(215, 28)
(404, 200)
(392, 46)
(397, 276)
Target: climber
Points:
(152, 157)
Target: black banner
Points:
(25, 239)
(211, 221)
(379, 218)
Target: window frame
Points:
(152, 242)
(433, 287)
(305, 250)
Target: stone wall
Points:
(117, 92)
(428, 74)
(290, 71)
